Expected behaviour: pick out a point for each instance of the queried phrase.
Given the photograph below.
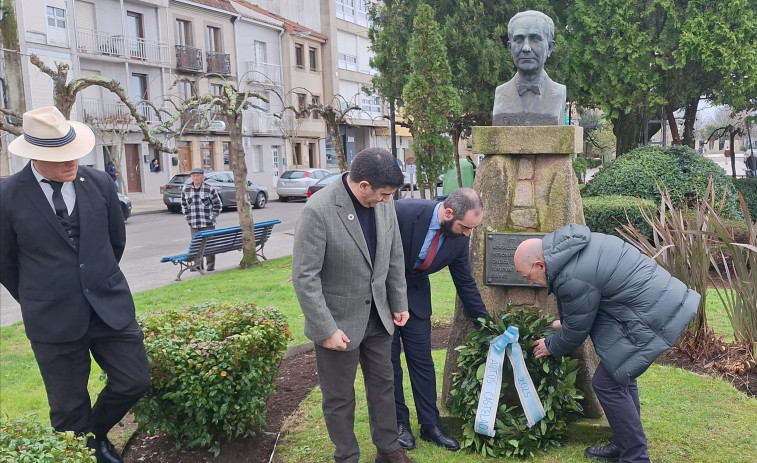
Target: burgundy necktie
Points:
(431, 252)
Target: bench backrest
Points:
(221, 240)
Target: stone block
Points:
(548, 139)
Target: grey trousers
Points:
(336, 373)
(210, 261)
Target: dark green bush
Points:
(748, 188)
(213, 368)
(579, 167)
(679, 169)
(26, 440)
(554, 379)
(604, 214)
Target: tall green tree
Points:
(637, 59)
(430, 98)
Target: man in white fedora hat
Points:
(62, 235)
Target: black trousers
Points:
(336, 374)
(65, 369)
(416, 342)
(623, 411)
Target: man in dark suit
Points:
(434, 235)
(531, 97)
(347, 273)
(61, 237)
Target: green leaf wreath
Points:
(554, 379)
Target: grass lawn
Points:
(688, 418)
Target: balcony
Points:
(113, 115)
(204, 121)
(219, 63)
(188, 58)
(263, 124)
(103, 43)
(263, 73)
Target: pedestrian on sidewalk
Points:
(201, 206)
(62, 235)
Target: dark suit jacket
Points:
(55, 284)
(414, 217)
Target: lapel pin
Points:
(81, 179)
(350, 217)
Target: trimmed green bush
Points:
(213, 368)
(606, 213)
(679, 169)
(554, 379)
(748, 188)
(27, 440)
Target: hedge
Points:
(606, 213)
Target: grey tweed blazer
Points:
(332, 272)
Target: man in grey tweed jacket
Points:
(348, 272)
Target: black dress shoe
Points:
(606, 453)
(405, 436)
(104, 451)
(434, 433)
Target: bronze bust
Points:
(531, 97)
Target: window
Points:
(275, 159)
(135, 32)
(301, 105)
(213, 39)
(56, 26)
(313, 59)
(299, 59)
(186, 90)
(227, 155)
(183, 31)
(216, 90)
(139, 87)
(348, 62)
(312, 160)
(206, 153)
(316, 102)
(257, 153)
(298, 154)
(259, 52)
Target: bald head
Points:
(529, 261)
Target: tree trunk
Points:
(628, 133)
(244, 206)
(675, 136)
(455, 142)
(336, 140)
(731, 137)
(689, 118)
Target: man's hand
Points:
(400, 318)
(540, 348)
(556, 324)
(337, 341)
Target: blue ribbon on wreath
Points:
(486, 414)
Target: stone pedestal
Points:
(527, 183)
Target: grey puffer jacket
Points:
(633, 309)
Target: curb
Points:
(156, 211)
(298, 349)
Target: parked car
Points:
(294, 183)
(222, 181)
(125, 205)
(322, 183)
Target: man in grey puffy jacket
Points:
(633, 309)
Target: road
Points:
(152, 236)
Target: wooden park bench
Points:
(212, 242)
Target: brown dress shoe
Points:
(398, 456)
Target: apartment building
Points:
(346, 61)
(201, 41)
(286, 70)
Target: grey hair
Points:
(548, 25)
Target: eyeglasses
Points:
(465, 227)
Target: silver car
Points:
(294, 183)
(222, 182)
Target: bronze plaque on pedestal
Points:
(500, 249)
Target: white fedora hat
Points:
(48, 136)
